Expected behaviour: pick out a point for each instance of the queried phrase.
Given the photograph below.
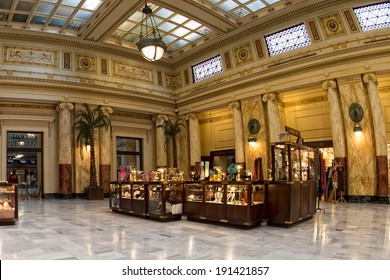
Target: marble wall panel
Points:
(105, 176)
(360, 150)
(255, 109)
(65, 182)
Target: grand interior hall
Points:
(194, 130)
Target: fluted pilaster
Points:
(161, 154)
(338, 134)
(271, 99)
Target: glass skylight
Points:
(175, 29)
(51, 15)
(240, 8)
(287, 40)
(374, 16)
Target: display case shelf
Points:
(8, 203)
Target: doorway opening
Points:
(25, 157)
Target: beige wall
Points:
(216, 130)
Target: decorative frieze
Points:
(30, 56)
(132, 72)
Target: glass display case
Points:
(114, 195)
(238, 203)
(237, 195)
(194, 192)
(8, 203)
(214, 192)
(291, 195)
(165, 200)
(292, 162)
(295, 163)
(155, 199)
(194, 198)
(311, 164)
(304, 164)
(128, 197)
(125, 199)
(257, 195)
(138, 190)
(280, 162)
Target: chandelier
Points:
(150, 44)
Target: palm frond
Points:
(86, 121)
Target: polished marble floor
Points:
(52, 229)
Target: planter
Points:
(92, 194)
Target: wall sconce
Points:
(252, 141)
(358, 130)
(356, 114)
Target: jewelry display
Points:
(218, 197)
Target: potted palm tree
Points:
(170, 130)
(85, 122)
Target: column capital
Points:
(234, 105)
(192, 116)
(329, 84)
(65, 106)
(272, 96)
(107, 110)
(159, 117)
(369, 77)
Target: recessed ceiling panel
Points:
(54, 15)
(176, 30)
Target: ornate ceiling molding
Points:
(305, 60)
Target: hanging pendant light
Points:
(150, 44)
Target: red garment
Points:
(13, 178)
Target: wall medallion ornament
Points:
(243, 54)
(332, 25)
(356, 112)
(253, 126)
(86, 63)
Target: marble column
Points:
(65, 129)
(338, 135)
(238, 134)
(105, 153)
(193, 126)
(161, 152)
(271, 99)
(378, 119)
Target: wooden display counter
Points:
(238, 203)
(291, 195)
(162, 201)
(8, 203)
(288, 203)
